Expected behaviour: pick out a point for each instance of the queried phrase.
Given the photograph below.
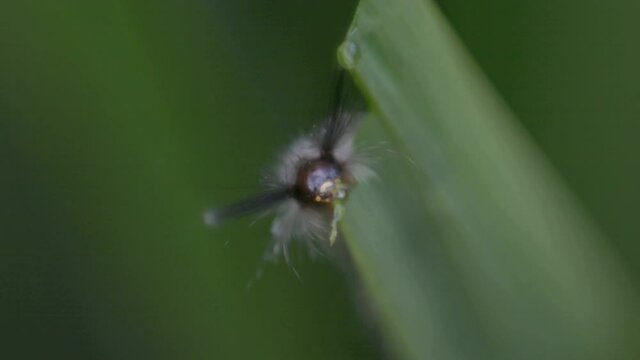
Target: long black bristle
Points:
(338, 121)
(252, 205)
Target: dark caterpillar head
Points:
(321, 181)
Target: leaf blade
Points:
(521, 272)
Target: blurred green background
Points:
(120, 121)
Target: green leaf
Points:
(470, 245)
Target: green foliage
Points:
(120, 121)
(470, 244)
